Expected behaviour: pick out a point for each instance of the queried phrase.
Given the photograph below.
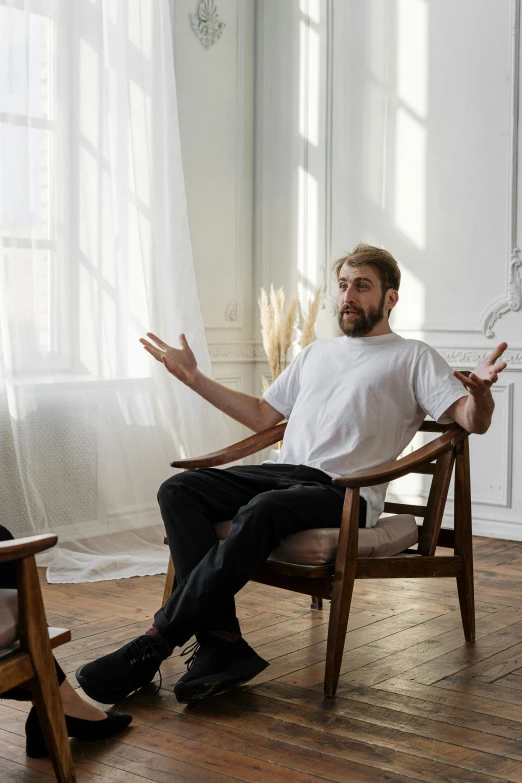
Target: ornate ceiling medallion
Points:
(206, 24)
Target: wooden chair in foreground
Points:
(31, 663)
(335, 580)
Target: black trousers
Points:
(266, 503)
(8, 580)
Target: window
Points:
(30, 268)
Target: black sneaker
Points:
(111, 678)
(215, 666)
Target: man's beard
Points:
(364, 323)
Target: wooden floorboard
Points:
(415, 701)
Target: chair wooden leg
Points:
(344, 577)
(169, 581)
(317, 602)
(34, 638)
(49, 707)
(463, 540)
(467, 604)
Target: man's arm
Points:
(254, 412)
(474, 411)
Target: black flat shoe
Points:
(36, 746)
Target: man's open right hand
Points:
(179, 362)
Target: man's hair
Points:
(383, 262)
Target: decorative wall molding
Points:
(512, 303)
(456, 357)
(501, 494)
(430, 329)
(230, 381)
(263, 87)
(236, 352)
(231, 311)
(328, 141)
(206, 24)
(508, 529)
(243, 242)
(492, 524)
(491, 462)
(470, 357)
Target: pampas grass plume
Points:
(277, 327)
(288, 330)
(308, 327)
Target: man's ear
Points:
(393, 298)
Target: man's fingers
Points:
(463, 379)
(497, 352)
(153, 351)
(143, 341)
(183, 342)
(478, 381)
(157, 340)
(151, 348)
(472, 382)
(499, 366)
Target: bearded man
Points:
(353, 403)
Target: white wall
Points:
(396, 122)
(382, 121)
(215, 89)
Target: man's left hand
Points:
(485, 373)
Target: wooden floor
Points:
(415, 702)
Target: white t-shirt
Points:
(354, 403)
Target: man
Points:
(353, 403)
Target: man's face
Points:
(362, 302)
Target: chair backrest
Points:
(432, 513)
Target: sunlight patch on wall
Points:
(307, 227)
(375, 145)
(311, 9)
(309, 85)
(412, 55)
(410, 178)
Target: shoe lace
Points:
(138, 650)
(193, 648)
(160, 682)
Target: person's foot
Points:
(215, 666)
(76, 707)
(36, 746)
(111, 678)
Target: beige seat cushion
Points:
(8, 617)
(390, 536)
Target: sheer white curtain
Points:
(95, 251)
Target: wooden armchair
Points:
(335, 581)
(31, 662)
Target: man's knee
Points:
(258, 511)
(174, 486)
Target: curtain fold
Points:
(95, 251)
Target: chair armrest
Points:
(243, 448)
(409, 464)
(18, 548)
